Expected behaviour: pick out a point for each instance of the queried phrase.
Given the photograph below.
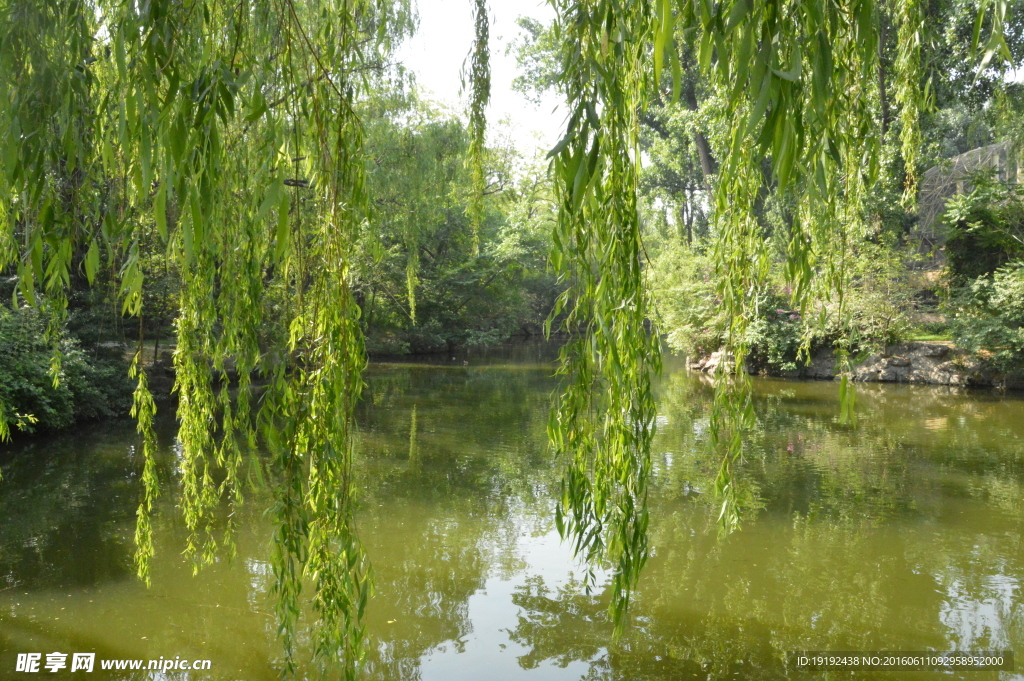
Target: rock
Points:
(893, 375)
(920, 363)
(914, 362)
(717, 358)
(870, 370)
(822, 365)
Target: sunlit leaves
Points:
(143, 411)
(480, 79)
(996, 42)
(800, 92)
(603, 421)
(908, 90)
(227, 131)
(798, 82)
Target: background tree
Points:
(234, 132)
(429, 280)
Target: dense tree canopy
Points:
(240, 136)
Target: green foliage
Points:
(674, 138)
(143, 410)
(799, 113)
(987, 317)
(480, 78)
(880, 297)
(799, 93)
(603, 421)
(1006, 111)
(425, 279)
(877, 305)
(87, 388)
(985, 228)
(953, 130)
(537, 56)
(228, 130)
(775, 335)
(689, 308)
(877, 308)
(952, 37)
(910, 18)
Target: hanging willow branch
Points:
(480, 78)
(603, 422)
(910, 20)
(119, 120)
(796, 82)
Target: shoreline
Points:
(913, 362)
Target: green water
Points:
(902, 533)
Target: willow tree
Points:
(799, 90)
(231, 128)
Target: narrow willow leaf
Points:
(160, 211)
(739, 12)
(92, 262)
(271, 200)
(281, 240)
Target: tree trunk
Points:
(708, 165)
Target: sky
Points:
(437, 52)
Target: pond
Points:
(903, 532)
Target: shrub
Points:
(988, 317)
(689, 310)
(87, 387)
(879, 300)
(691, 315)
(774, 334)
(985, 228)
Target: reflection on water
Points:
(902, 533)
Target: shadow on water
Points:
(901, 533)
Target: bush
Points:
(988, 317)
(879, 300)
(774, 335)
(691, 315)
(87, 387)
(689, 310)
(986, 228)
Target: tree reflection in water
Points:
(903, 532)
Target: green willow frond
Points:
(909, 94)
(603, 422)
(143, 411)
(228, 130)
(799, 87)
(480, 79)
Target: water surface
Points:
(903, 532)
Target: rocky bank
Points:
(911, 362)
